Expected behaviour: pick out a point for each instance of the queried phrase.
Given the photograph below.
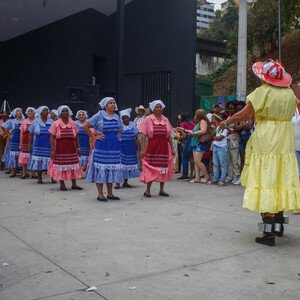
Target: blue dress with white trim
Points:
(13, 126)
(41, 151)
(129, 158)
(84, 140)
(105, 165)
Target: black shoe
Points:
(23, 177)
(76, 187)
(268, 239)
(164, 194)
(182, 178)
(126, 185)
(147, 195)
(102, 199)
(113, 198)
(63, 188)
(13, 175)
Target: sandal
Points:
(13, 175)
(209, 182)
(63, 188)
(164, 194)
(113, 197)
(23, 177)
(221, 183)
(126, 185)
(147, 195)
(102, 199)
(195, 181)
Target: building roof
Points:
(18, 17)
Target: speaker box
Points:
(91, 98)
(74, 95)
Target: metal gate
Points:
(148, 87)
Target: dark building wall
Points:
(162, 37)
(159, 37)
(42, 63)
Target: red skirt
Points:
(65, 164)
(24, 154)
(158, 162)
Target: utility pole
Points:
(242, 52)
(279, 30)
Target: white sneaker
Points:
(236, 181)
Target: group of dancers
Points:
(105, 146)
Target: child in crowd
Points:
(219, 148)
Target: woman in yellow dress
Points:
(270, 174)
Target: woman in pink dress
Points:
(157, 149)
(65, 149)
(24, 154)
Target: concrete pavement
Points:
(196, 244)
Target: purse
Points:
(207, 136)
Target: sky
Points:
(217, 3)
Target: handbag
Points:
(207, 136)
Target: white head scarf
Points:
(30, 108)
(59, 110)
(13, 113)
(154, 103)
(55, 112)
(105, 100)
(85, 113)
(125, 112)
(39, 111)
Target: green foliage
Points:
(262, 25)
(225, 28)
(220, 71)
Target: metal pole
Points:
(120, 49)
(279, 30)
(242, 52)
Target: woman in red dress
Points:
(157, 149)
(65, 149)
(24, 155)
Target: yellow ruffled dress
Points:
(270, 174)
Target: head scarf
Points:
(154, 103)
(30, 108)
(55, 112)
(125, 112)
(105, 100)
(59, 110)
(13, 113)
(39, 111)
(79, 111)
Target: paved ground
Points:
(197, 244)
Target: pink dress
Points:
(24, 154)
(158, 162)
(65, 164)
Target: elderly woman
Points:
(40, 137)
(54, 114)
(270, 174)
(65, 148)
(105, 165)
(12, 128)
(129, 159)
(86, 142)
(24, 155)
(157, 149)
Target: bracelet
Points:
(225, 123)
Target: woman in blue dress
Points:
(84, 139)
(39, 136)
(129, 158)
(105, 165)
(12, 128)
